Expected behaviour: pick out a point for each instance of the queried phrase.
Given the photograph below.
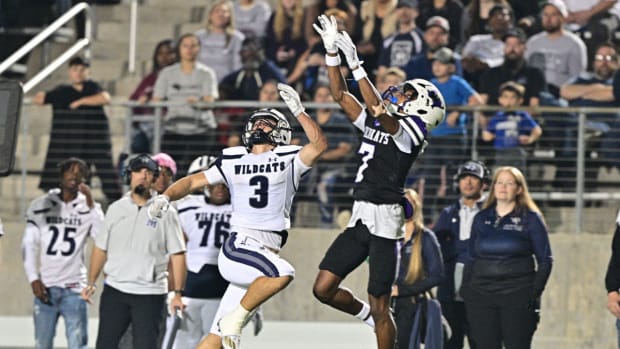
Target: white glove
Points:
(346, 45)
(328, 32)
(158, 207)
(291, 98)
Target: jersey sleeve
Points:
(361, 120)
(96, 220)
(174, 235)
(415, 128)
(31, 246)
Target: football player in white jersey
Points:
(262, 178)
(205, 220)
(57, 227)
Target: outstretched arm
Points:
(338, 87)
(317, 141)
(177, 190)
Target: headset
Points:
(138, 162)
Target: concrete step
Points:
(118, 31)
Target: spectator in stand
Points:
(484, 51)
(314, 67)
(79, 128)
(320, 7)
(420, 269)
(451, 10)
(584, 14)
(612, 278)
(55, 266)
(453, 230)
(597, 89)
(220, 42)
(286, 44)
(406, 42)
(142, 132)
(333, 174)
(379, 20)
(436, 36)
(475, 17)
(391, 77)
(188, 130)
(245, 83)
(508, 265)
(167, 172)
(251, 16)
(515, 68)
(450, 137)
(560, 54)
(511, 130)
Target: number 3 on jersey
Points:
(261, 192)
(368, 152)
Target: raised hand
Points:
(347, 46)
(159, 206)
(291, 98)
(328, 30)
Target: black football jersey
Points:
(383, 166)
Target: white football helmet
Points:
(279, 135)
(426, 102)
(201, 163)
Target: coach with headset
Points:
(133, 252)
(453, 230)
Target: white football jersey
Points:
(55, 237)
(206, 226)
(262, 186)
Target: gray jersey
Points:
(176, 86)
(560, 59)
(253, 19)
(220, 51)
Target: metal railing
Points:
(572, 190)
(80, 44)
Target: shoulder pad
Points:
(239, 150)
(287, 149)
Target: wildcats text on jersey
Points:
(376, 135)
(210, 216)
(260, 168)
(63, 220)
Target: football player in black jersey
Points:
(394, 127)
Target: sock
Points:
(240, 313)
(365, 316)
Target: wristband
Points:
(332, 61)
(178, 291)
(359, 73)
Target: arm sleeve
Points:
(542, 251)
(102, 237)
(159, 91)
(577, 60)
(30, 250)
(174, 234)
(612, 276)
(433, 268)
(96, 216)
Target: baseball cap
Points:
(438, 21)
(165, 160)
(407, 3)
(444, 55)
(143, 161)
(515, 33)
(79, 61)
(558, 4)
(473, 168)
